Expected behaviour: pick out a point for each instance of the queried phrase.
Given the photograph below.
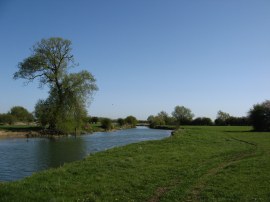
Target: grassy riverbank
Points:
(197, 163)
(19, 130)
(24, 131)
(36, 131)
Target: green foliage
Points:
(121, 122)
(161, 119)
(196, 164)
(182, 115)
(131, 120)
(94, 119)
(222, 118)
(163, 116)
(49, 62)
(7, 119)
(155, 121)
(225, 119)
(21, 114)
(260, 116)
(65, 108)
(106, 124)
(238, 121)
(43, 112)
(202, 121)
(16, 114)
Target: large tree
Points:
(68, 95)
(182, 115)
(222, 118)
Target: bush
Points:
(21, 114)
(106, 124)
(238, 121)
(121, 122)
(131, 120)
(202, 121)
(94, 119)
(7, 119)
(260, 116)
(156, 121)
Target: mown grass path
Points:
(202, 181)
(196, 164)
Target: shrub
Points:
(203, 121)
(131, 120)
(121, 122)
(106, 124)
(7, 119)
(94, 119)
(21, 114)
(156, 121)
(260, 116)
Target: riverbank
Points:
(19, 131)
(10, 134)
(165, 127)
(196, 164)
(23, 131)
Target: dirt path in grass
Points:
(160, 191)
(202, 181)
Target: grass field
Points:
(196, 164)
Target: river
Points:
(21, 157)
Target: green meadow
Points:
(197, 163)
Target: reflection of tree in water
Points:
(56, 152)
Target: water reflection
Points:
(56, 152)
(21, 157)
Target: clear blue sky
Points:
(147, 55)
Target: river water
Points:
(21, 157)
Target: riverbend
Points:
(21, 157)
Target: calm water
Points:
(21, 157)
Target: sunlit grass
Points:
(197, 163)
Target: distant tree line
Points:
(258, 116)
(109, 124)
(180, 116)
(184, 116)
(225, 119)
(16, 114)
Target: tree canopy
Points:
(131, 120)
(21, 114)
(182, 115)
(69, 93)
(260, 116)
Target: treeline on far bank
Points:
(183, 116)
(19, 116)
(15, 115)
(93, 124)
(258, 117)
